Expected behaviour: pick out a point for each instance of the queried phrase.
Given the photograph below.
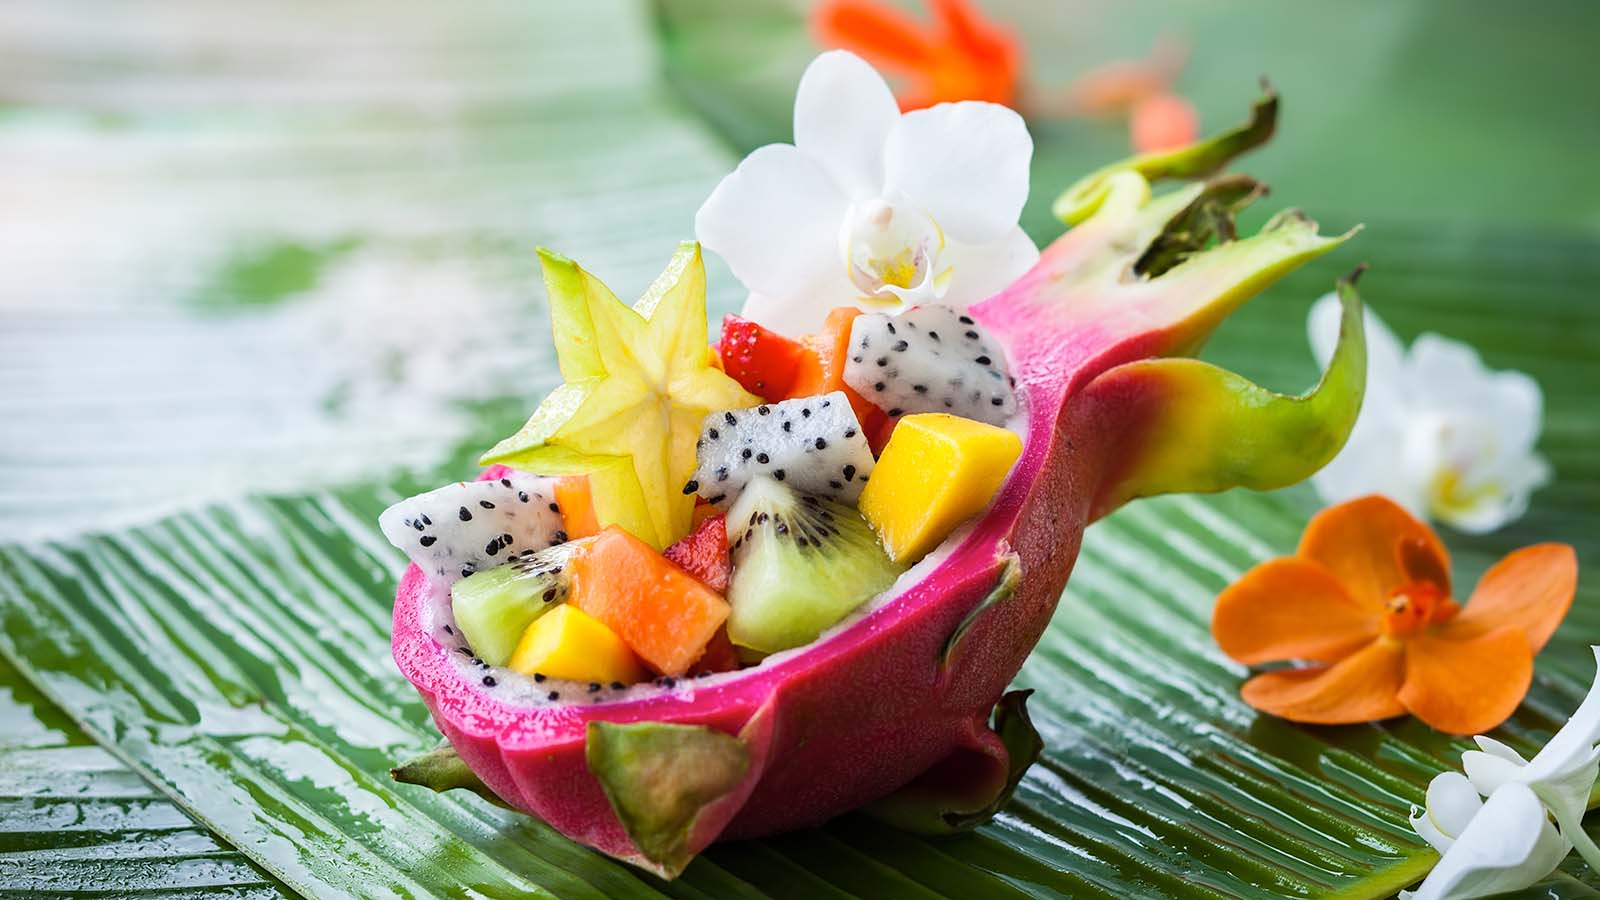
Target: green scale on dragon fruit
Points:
(453, 531)
(930, 359)
(814, 444)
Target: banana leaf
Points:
(237, 656)
(75, 820)
(231, 657)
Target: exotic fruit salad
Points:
(720, 591)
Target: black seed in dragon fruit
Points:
(929, 359)
(461, 528)
(814, 444)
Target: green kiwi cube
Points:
(800, 565)
(494, 607)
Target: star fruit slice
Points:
(639, 382)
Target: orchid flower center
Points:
(1425, 598)
(1415, 606)
(1466, 453)
(893, 253)
(1453, 492)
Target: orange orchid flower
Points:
(1367, 599)
(959, 55)
(1158, 119)
(1162, 122)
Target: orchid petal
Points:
(843, 112)
(775, 220)
(1451, 803)
(1291, 608)
(1567, 795)
(1499, 495)
(1428, 831)
(1368, 465)
(1446, 374)
(1529, 590)
(1575, 740)
(1515, 403)
(965, 163)
(1568, 800)
(1564, 773)
(1558, 779)
(979, 272)
(1487, 772)
(1359, 688)
(1509, 845)
(1465, 685)
(1494, 748)
(1484, 425)
(1356, 542)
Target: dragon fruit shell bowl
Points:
(897, 700)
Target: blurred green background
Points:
(1428, 113)
(284, 251)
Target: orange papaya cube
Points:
(664, 614)
(702, 512)
(577, 507)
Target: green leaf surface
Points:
(233, 658)
(75, 820)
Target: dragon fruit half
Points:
(892, 708)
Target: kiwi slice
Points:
(800, 564)
(494, 607)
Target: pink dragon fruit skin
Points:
(908, 689)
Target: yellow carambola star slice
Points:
(639, 383)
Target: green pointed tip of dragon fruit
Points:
(1198, 160)
(1194, 427)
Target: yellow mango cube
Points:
(569, 644)
(936, 472)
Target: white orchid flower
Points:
(1562, 774)
(871, 208)
(1438, 433)
(1504, 844)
